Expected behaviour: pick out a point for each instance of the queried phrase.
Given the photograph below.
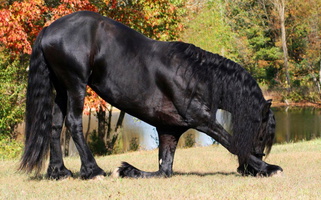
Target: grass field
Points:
(200, 173)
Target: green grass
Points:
(200, 173)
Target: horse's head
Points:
(264, 139)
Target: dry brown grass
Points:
(201, 173)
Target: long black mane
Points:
(230, 88)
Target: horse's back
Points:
(79, 42)
(85, 27)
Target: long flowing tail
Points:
(39, 106)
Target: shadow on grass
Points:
(206, 174)
(44, 177)
(40, 177)
(76, 175)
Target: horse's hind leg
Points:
(76, 95)
(56, 169)
(168, 140)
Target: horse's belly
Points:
(157, 111)
(167, 114)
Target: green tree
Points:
(12, 89)
(206, 27)
(251, 21)
(302, 29)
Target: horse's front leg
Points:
(168, 140)
(168, 144)
(254, 166)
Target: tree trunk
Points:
(88, 126)
(108, 123)
(105, 131)
(280, 5)
(65, 138)
(320, 76)
(101, 116)
(120, 120)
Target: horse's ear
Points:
(267, 107)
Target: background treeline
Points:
(278, 41)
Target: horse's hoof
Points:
(274, 170)
(278, 173)
(115, 173)
(271, 170)
(91, 172)
(55, 173)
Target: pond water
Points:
(297, 123)
(135, 130)
(293, 124)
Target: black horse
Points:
(173, 86)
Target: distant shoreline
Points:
(296, 104)
(278, 102)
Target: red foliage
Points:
(19, 24)
(93, 102)
(69, 6)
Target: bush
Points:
(12, 93)
(97, 145)
(100, 147)
(9, 148)
(134, 144)
(302, 93)
(293, 96)
(189, 140)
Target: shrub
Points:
(12, 93)
(96, 144)
(134, 144)
(189, 140)
(9, 148)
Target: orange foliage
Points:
(93, 102)
(19, 24)
(69, 6)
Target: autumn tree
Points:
(280, 7)
(302, 27)
(313, 51)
